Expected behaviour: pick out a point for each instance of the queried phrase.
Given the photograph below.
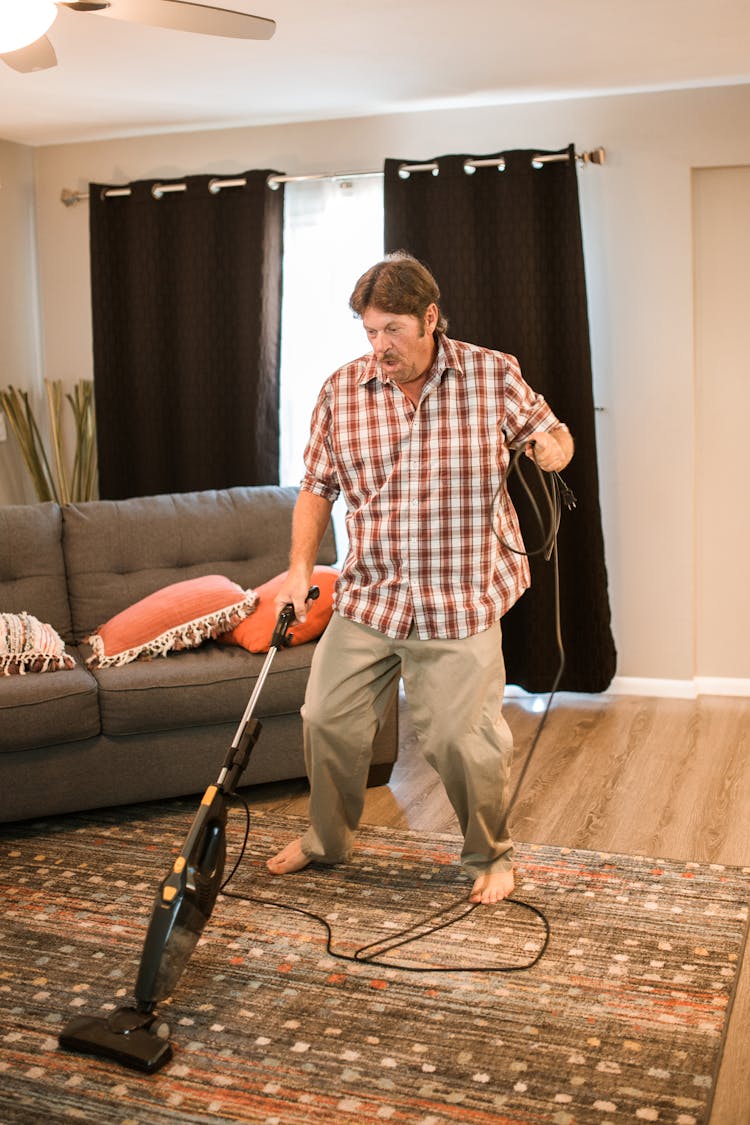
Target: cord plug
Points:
(566, 493)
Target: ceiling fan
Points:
(176, 15)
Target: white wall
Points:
(636, 214)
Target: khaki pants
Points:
(455, 695)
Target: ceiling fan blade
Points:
(179, 15)
(39, 55)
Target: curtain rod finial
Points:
(69, 198)
(596, 156)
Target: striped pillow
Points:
(30, 645)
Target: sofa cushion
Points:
(118, 551)
(32, 567)
(38, 711)
(202, 687)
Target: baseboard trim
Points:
(646, 685)
(722, 685)
(667, 689)
(680, 689)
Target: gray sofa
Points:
(152, 729)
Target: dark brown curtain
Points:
(186, 303)
(506, 249)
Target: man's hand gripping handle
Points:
(281, 635)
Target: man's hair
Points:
(399, 284)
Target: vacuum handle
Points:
(281, 636)
(249, 728)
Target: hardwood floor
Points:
(643, 776)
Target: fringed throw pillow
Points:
(30, 645)
(254, 633)
(179, 616)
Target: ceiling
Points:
(351, 58)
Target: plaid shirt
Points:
(419, 484)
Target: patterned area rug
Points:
(621, 1020)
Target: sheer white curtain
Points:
(333, 231)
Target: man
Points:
(416, 436)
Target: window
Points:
(333, 231)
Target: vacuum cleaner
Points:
(135, 1036)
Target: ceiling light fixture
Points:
(24, 23)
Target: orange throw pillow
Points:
(179, 616)
(255, 632)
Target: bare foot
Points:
(289, 859)
(493, 887)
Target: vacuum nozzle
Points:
(138, 1040)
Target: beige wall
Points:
(721, 219)
(636, 213)
(19, 314)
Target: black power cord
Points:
(372, 952)
(557, 495)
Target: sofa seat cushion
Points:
(43, 710)
(203, 687)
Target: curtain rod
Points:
(596, 156)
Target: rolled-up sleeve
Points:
(320, 476)
(526, 411)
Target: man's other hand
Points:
(551, 449)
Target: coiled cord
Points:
(558, 495)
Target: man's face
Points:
(403, 344)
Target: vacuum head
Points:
(137, 1040)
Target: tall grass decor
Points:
(52, 474)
